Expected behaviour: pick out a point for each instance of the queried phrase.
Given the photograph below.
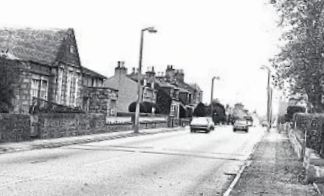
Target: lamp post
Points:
(212, 93)
(269, 96)
(139, 72)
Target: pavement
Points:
(273, 169)
(66, 141)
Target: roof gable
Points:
(42, 46)
(92, 73)
(112, 81)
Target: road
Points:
(174, 163)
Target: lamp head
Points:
(264, 67)
(150, 29)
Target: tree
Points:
(183, 112)
(219, 114)
(200, 110)
(163, 102)
(299, 65)
(238, 111)
(8, 80)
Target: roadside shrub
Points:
(312, 125)
(132, 107)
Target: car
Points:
(241, 125)
(265, 124)
(201, 124)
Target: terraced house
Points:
(126, 84)
(50, 68)
(184, 96)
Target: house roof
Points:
(105, 87)
(163, 83)
(92, 73)
(36, 45)
(134, 76)
(195, 86)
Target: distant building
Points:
(197, 94)
(126, 84)
(187, 95)
(96, 97)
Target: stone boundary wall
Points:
(24, 127)
(143, 125)
(14, 127)
(55, 125)
(314, 166)
(297, 142)
(72, 124)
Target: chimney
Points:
(120, 69)
(170, 73)
(179, 75)
(150, 74)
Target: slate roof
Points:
(195, 86)
(162, 83)
(92, 73)
(36, 45)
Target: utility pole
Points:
(212, 94)
(139, 73)
(269, 97)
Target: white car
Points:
(201, 124)
(241, 125)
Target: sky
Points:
(230, 39)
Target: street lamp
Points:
(139, 72)
(269, 96)
(212, 93)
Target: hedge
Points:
(312, 125)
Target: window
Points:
(34, 87)
(59, 85)
(72, 88)
(39, 88)
(72, 91)
(43, 91)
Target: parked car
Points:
(201, 124)
(241, 125)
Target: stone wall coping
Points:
(313, 158)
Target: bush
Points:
(200, 110)
(132, 107)
(163, 102)
(312, 126)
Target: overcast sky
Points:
(228, 38)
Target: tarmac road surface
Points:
(173, 163)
